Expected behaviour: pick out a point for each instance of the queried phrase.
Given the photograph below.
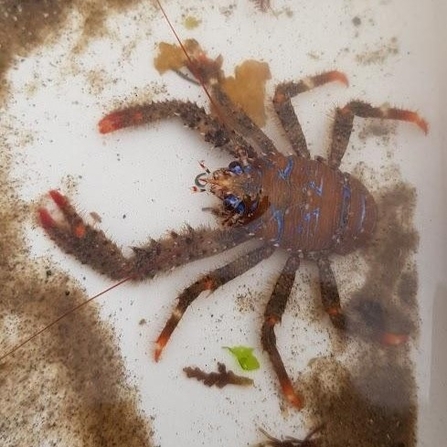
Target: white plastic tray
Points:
(138, 181)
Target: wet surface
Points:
(69, 385)
(71, 378)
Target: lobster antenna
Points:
(191, 67)
(68, 312)
(84, 303)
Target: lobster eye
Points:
(240, 209)
(235, 167)
(231, 202)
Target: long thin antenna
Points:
(70, 311)
(73, 309)
(191, 62)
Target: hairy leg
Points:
(210, 281)
(237, 119)
(329, 293)
(286, 113)
(189, 113)
(344, 118)
(91, 246)
(272, 315)
(331, 303)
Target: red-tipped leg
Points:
(210, 282)
(122, 118)
(186, 298)
(59, 199)
(268, 339)
(89, 245)
(393, 339)
(75, 223)
(365, 110)
(272, 316)
(344, 119)
(45, 218)
(329, 293)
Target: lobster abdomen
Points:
(313, 207)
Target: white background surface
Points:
(145, 174)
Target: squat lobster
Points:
(309, 208)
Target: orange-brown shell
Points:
(313, 207)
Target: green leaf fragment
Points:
(245, 357)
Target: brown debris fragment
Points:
(220, 378)
(170, 57)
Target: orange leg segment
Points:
(211, 282)
(272, 315)
(344, 119)
(286, 113)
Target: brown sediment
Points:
(372, 404)
(379, 54)
(72, 378)
(369, 399)
(26, 25)
(221, 378)
(262, 5)
(387, 301)
(69, 385)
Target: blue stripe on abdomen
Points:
(278, 216)
(285, 173)
(362, 213)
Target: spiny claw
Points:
(120, 119)
(59, 199)
(45, 218)
(76, 225)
